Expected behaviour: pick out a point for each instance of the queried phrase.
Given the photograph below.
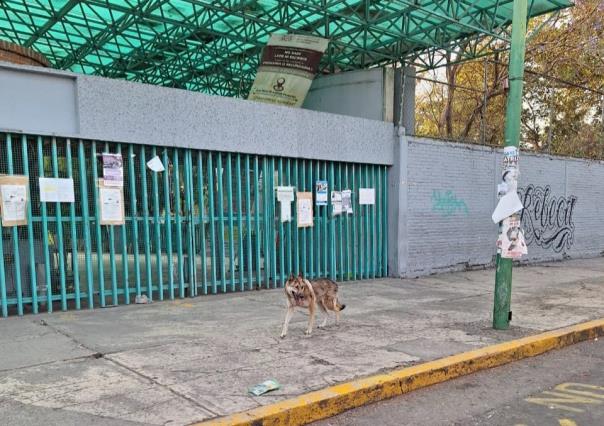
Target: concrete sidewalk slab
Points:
(176, 362)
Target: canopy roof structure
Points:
(214, 46)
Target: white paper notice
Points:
(508, 205)
(111, 205)
(14, 202)
(156, 165)
(285, 196)
(347, 201)
(56, 190)
(366, 196)
(305, 209)
(336, 203)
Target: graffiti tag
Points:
(447, 204)
(547, 220)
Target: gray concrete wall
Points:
(451, 196)
(122, 111)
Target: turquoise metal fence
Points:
(208, 224)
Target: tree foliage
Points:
(563, 93)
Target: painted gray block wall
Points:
(451, 196)
(122, 111)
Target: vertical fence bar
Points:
(168, 222)
(289, 224)
(44, 214)
(178, 219)
(266, 221)
(332, 231)
(112, 264)
(385, 220)
(281, 228)
(326, 216)
(340, 233)
(134, 218)
(15, 234)
(257, 220)
(272, 201)
(202, 225)
(125, 257)
(358, 225)
(146, 232)
(229, 177)
(157, 230)
(212, 220)
(317, 229)
(296, 232)
(220, 195)
(311, 243)
(59, 230)
(74, 236)
(30, 231)
(380, 209)
(188, 189)
(304, 230)
(374, 220)
(367, 238)
(346, 262)
(240, 225)
(97, 223)
(248, 220)
(86, 223)
(356, 211)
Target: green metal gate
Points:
(207, 224)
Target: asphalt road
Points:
(561, 388)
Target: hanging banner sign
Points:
(14, 193)
(288, 66)
(336, 203)
(304, 208)
(321, 193)
(113, 170)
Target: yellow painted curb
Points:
(336, 399)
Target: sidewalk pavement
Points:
(176, 362)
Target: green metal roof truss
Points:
(215, 46)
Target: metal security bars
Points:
(208, 224)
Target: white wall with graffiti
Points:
(451, 194)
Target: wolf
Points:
(303, 293)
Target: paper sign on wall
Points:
(56, 190)
(14, 196)
(111, 204)
(347, 201)
(113, 170)
(321, 193)
(367, 196)
(285, 196)
(304, 208)
(336, 203)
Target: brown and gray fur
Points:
(303, 293)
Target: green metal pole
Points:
(503, 275)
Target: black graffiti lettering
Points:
(547, 220)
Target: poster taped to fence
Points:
(336, 203)
(285, 196)
(113, 169)
(111, 204)
(56, 190)
(347, 201)
(367, 196)
(14, 193)
(304, 209)
(321, 193)
(288, 66)
(156, 165)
